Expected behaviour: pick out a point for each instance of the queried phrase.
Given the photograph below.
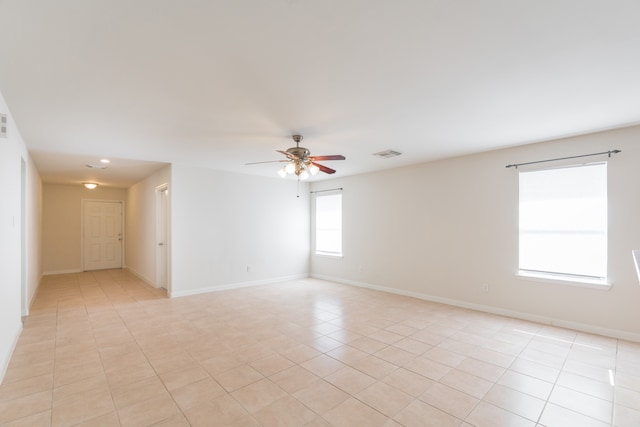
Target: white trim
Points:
(51, 273)
(24, 256)
(159, 190)
(332, 255)
(314, 222)
(225, 287)
(590, 284)
(533, 267)
(583, 327)
(5, 363)
(33, 297)
(140, 276)
(636, 260)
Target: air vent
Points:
(3, 125)
(387, 154)
(96, 166)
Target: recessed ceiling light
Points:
(104, 160)
(90, 185)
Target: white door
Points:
(162, 194)
(102, 228)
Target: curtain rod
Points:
(609, 153)
(322, 191)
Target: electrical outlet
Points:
(248, 269)
(485, 287)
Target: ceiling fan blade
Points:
(289, 155)
(268, 161)
(323, 168)
(332, 157)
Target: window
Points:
(329, 224)
(563, 223)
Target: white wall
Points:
(440, 230)
(33, 233)
(140, 221)
(12, 154)
(222, 223)
(62, 224)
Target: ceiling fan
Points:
(300, 162)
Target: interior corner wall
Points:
(140, 219)
(33, 233)
(62, 223)
(13, 153)
(441, 230)
(230, 230)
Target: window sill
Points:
(328, 255)
(581, 283)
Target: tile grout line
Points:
(496, 382)
(115, 408)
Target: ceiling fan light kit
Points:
(301, 163)
(300, 168)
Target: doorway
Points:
(102, 234)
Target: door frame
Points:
(122, 226)
(24, 283)
(162, 227)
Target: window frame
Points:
(317, 252)
(601, 283)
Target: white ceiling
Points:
(221, 83)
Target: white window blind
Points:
(563, 222)
(329, 224)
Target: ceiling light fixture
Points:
(90, 185)
(105, 161)
(299, 167)
(300, 162)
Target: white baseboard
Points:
(188, 292)
(27, 310)
(51, 273)
(4, 362)
(140, 276)
(583, 327)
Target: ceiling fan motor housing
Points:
(300, 152)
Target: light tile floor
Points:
(104, 349)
